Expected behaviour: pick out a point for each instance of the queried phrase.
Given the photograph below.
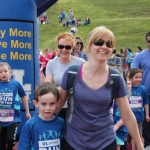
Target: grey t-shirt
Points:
(57, 69)
(92, 126)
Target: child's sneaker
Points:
(129, 146)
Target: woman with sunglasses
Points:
(57, 66)
(92, 126)
(78, 49)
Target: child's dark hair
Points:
(5, 64)
(134, 71)
(45, 88)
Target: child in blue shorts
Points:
(119, 127)
(10, 115)
(138, 100)
(45, 130)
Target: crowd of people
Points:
(72, 23)
(126, 57)
(86, 114)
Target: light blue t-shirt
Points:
(10, 93)
(92, 125)
(142, 61)
(129, 55)
(137, 100)
(38, 134)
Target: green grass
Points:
(128, 19)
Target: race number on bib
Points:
(49, 144)
(135, 102)
(6, 115)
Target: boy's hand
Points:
(28, 116)
(129, 84)
(147, 118)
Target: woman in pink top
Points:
(44, 60)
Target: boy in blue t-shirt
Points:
(138, 100)
(10, 115)
(45, 130)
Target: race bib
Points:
(6, 115)
(49, 144)
(135, 102)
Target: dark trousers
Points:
(112, 146)
(146, 130)
(8, 136)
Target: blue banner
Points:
(17, 49)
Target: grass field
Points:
(128, 19)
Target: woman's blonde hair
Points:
(68, 36)
(97, 33)
(5, 64)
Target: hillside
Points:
(128, 19)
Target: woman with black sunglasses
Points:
(78, 49)
(57, 66)
(92, 126)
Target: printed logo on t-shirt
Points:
(135, 101)
(49, 140)
(6, 98)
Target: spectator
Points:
(62, 16)
(45, 17)
(69, 23)
(121, 53)
(129, 58)
(44, 60)
(139, 49)
(42, 20)
(87, 21)
(64, 23)
(74, 29)
(71, 16)
(73, 21)
(125, 60)
(79, 21)
(43, 14)
(71, 11)
(78, 49)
